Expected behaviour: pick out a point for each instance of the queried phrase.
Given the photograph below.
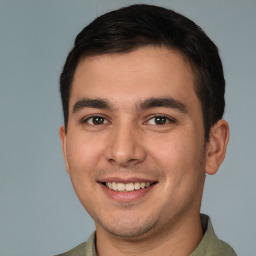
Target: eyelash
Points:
(166, 120)
(86, 120)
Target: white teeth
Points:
(114, 186)
(127, 187)
(137, 185)
(147, 184)
(120, 186)
(109, 184)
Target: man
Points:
(143, 100)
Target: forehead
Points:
(145, 72)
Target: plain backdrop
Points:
(39, 211)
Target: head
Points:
(142, 92)
(129, 28)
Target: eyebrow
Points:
(91, 103)
(143, 105)
(163, 102)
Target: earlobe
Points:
(63, 138)
(217, 145)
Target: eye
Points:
(95, 120)
(159, 120)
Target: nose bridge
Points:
(124, 146)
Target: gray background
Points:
(39, 212)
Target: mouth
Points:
(127, 190)
(127, 187)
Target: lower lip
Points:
(121, 196)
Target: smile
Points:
(127, 187)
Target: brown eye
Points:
(159, 120)
(96, 120)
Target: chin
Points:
(130, 230)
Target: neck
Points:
(179, 240)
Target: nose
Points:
(125, 146)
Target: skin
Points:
(118, 138)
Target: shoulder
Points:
(211, 245)
(83, 249)
(76, 251)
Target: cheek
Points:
(176, 149)
(181, 158)
(83, 155)
(83, 152)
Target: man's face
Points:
(134, 146)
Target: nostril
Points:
(111, 161)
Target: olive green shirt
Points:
(210, 245)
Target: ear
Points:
(63, 138)
(217, 145)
